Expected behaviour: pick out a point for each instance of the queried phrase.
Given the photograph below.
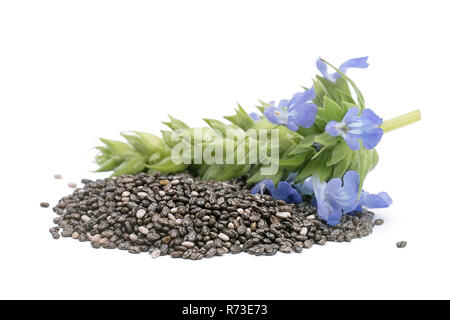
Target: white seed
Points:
(194, 193)
(174, 210)
(283, 215)
(133, 237)
(85, 218)
(224, 237)
(103, 241)
(141, 213)
(311, 217)
(188, 244)
(240, 210)
(126, 194)
(156, 254)
(175, 182)
(162, 193)
(96, 238)
(143, 230)
(171, 217)
(304, 231)
(142, 194)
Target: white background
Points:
(72, 71)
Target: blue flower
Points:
(354, 128)
(360, 63)
(306, 187)
(284, 191)
(373, 201)
(334, 199)
(298, 111)
(256, 117)
(262, 186)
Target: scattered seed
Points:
(401, 244)
(45, 204)
(72, 185)
(284, 215)
(58, 176)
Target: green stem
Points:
(401, 121)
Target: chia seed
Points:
(44, 204)
(401, 244)
(185, 217)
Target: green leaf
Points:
(176, 124)
(342, 85)
(325, 139)
(358, 92)
(233, 171)
(116, 146)
(339, 153)
(152, 143)
(217, 126)
(316, 166)
(168, 166)
(169, 138)
(331, 110)
(330, 87)
(258, 176)
(295, 162)
(345, 97)
(137, 144)
(341, 167)
(108, 165)
(133, 165)
(306, 143)
(241, 119)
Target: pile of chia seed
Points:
(185, 217)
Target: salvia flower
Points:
(262, 186)
(284, 191)
(373, 201)
(354, 128)
(360, 63)
(334, 198)
(256, 117)
(294, 113)
(306, 187)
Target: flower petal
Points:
(291, 124)
(360, 63)
(352, 141)
(305, 115)
(303, 97)
(262, 186)
(284, 191)
(276, 115)
(332, 128)
(375, 201)
(255, 116)
(371, 138)
(306, 187)
(351, 116)
(323, 68)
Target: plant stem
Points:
(401, 121)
